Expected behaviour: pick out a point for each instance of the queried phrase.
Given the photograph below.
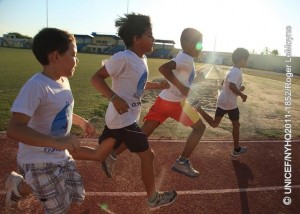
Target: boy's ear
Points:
(53, 56)
(135, 39)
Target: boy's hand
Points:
(120, 105)
(185, 91)
(88, 128)
(70, 142)
(164, 84)
(244, 97)
(242, 88)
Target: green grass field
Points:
(17, 65)
(261, 118)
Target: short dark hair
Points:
(132, 25)
(189, 35)
(239, 54)
(49, 40)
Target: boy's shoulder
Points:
(234, 70)
(184, 58)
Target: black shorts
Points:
(234, 114)
(132, 136)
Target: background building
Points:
(111, 44)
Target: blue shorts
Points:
(234, 114)
(132, 136)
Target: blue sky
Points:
(253, 24)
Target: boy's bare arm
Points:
(157, 85)
(235, 90)
(19, 130)
(167, 70)
(98, 81)
(85, 125)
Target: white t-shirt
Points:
(227, 99)
(185, 73)
(129, 74)
(50, 106)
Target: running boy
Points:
(42, 116)
(129, 73)
(227, 101)
(171, 102)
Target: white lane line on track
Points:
(189, 192)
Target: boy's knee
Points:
(152, 154)
(200, 127)
(147, 155)
(214, 125)
(236, 124)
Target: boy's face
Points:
(147, 41)
(68, 60)
(244, 62)
(194, 47)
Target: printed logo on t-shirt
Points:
(192, 77)
(60, 125)
(141, 85)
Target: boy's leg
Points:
(236, 133)
(234, 116)
(183, 165)
(213, 122)
(97, 154)
(100, 153)
(238, 150)
(108, 164)
(193, 138)
(55, 185)
(155, 199)
(147, 170)
(149, 126)
(206, 116)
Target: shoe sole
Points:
(104, 167)
(238, 154)
(177, 170)
(164, 205)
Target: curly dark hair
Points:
(132, 25)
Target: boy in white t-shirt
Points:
(172, 103)
(128, 71)
(227, 100)
(42, 117)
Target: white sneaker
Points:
(185, 168)
(108, 165)
(163, 199)
(13, 196)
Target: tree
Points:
(267, 52)
(274, 52)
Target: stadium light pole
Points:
(47, 12)
(127, 5)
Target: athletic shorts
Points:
(56, 185)
(182, 112)
(132, 136)
(234, 114)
